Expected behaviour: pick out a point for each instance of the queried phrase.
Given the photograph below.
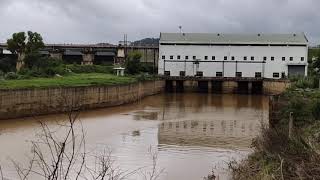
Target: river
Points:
(191, 133)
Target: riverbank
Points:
(76, 93)
(278, 155)
(74, 80)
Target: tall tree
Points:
(22, 45)
(17, 44)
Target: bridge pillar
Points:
(56, 54)
(120, 55)
(1, 51)
(87, 57)
(20, 61)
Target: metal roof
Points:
(219, 38)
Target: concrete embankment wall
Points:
(31, 102)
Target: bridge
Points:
(88, 54)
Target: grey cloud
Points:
(84, 21)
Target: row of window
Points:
(252, 58)
(220, 74)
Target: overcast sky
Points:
(93, 21)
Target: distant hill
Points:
(147, 42)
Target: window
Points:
(163, 57)
(182, 73)
(238, 74)
(171, 57)
(167, 73)
(272, 58)
(252, 58)
(276, 75)
(218, 74)
(245, 58)
(291, 58)
(205, 57)
(213, 58)
(232, 58)
(194, 57)
(178, 57)
(257, 75)
(264, 58)
(199, 73)
(187, 57)
(302, 58)
(225, 58)
(283, 58)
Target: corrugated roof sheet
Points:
(216, 38)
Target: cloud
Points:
(83, 21)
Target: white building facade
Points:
(233, 55)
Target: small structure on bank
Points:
(120, 71)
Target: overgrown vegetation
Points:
(73, 80)
(134, 66)
(278, 156)
(76, 68)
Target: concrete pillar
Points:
(87, 57)
(20, 61)
(229, 86)
(56, 54)
(120, 54)
(209, 86)
(249, 87)
(174, 86)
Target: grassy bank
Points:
(73, 80)
(278, 156)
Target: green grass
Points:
(74, 80)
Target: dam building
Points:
(209, 55)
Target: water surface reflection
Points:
(192, 133)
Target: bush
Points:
(302, 109)
(90, 69)
(11, 75)
(305, 82)
(134, 66)
(8, 64)
(37, 66)
(316, 110)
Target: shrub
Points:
(316, 110)
(8, 64)
(37, 66)
(146, 67)
(305, 82)
(302, 111)
(11, 75)
(90, 69)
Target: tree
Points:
(23, 46)
(316, 63)
(133, 62)
(17, 43)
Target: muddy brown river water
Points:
(192, 134)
